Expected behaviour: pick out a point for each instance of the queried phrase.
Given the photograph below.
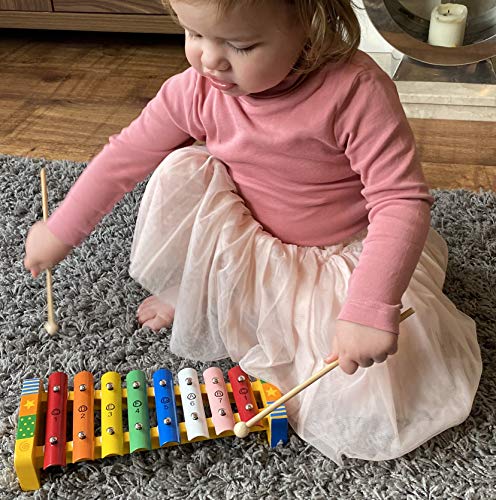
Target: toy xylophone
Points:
(185, 413)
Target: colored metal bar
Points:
(56, 420)
(192, 402)
(137, 411)
(28, 431)
(29, 457)
(111, 412)
(218, 399)
(243, 393)
(83, 417)
(165, 407)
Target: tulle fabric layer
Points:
(241, 293)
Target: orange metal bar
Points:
(83, 418)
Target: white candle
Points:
(447, 27)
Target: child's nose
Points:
(214, 60)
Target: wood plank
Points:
(455, 141)
(131, 23)
(64, 93)
(111, 6)
(70, 130)
(456, 176)
(28, 5)
(26, 55)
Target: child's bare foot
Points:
(155, 314)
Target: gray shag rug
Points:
(96, 302)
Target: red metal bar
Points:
(243, 393)
(56, 420)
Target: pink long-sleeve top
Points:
(316, 161)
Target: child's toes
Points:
(158, 322)
(145, 314)
(155, 314)
(145, 305)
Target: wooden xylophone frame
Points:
(35, 424)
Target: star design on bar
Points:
(29, 404)
(272, 392)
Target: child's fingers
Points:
(34, 270)
(332, 357)
(365, 362)
(348, 365)
(380, 358)
(334, 352)
(27, 262)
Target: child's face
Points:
(248, 50)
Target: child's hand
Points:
(358, 345)
(43, 249)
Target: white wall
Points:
(372, 41)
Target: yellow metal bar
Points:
(111, 412)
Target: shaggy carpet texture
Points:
(96, 304)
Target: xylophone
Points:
(185, 413)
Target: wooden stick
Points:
(50, 326)
(242, 429)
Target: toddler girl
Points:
(296, 234)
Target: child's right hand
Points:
(43, 249)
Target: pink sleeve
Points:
(167, 122)
(380, 145)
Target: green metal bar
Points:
(137, 412)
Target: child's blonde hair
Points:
(332, 28)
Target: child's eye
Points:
(242, 50)
(192, 35)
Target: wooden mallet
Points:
(50, 326)
(242, 429)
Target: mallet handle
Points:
(304, 385)
(44, 204)
(44, 193)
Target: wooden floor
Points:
(63, 93)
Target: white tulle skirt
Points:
(241, 293)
